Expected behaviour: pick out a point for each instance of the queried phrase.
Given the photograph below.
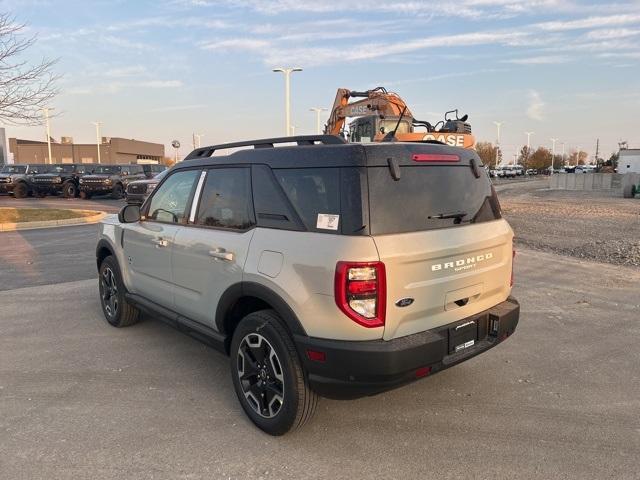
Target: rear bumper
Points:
(357, 369)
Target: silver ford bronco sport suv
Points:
(321, 268)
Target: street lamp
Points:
(287, 95)
(197, 144)
(98, 141)
(318, 111)
(46, 116)
(497, 124)
(553, 152)
(528, 134)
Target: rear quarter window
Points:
(315, 195)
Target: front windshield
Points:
(14, 169)
(62, 169)
(108, 169)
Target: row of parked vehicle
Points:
(73, 180)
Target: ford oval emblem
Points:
(404, 302)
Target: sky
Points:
(161, 70)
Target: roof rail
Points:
(301, 140)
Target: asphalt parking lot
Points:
(80, 399)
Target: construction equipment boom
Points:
(379, 112)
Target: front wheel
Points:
(20, 190)
(115, 307)
(267, 375)
(69, 190)
(117, 192)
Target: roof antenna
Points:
(391, 136)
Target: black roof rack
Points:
(268, 143)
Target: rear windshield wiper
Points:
(442, 216)
(457, 216)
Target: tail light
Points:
(361, 293)
(434, 157)
(513, 258)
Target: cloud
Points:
(237, 44)
(539, 60)
(118, 86)
(132, 71)
(590, 22)
(607, 34)
(536, 106)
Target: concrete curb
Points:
(95, 218)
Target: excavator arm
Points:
(374, 102)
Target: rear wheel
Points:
(115, 307)
(117, 192)
(20, 190)
(69, 190)
(267, 375)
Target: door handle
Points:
(222, 254)
(160, 242)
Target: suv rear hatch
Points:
(436, 222)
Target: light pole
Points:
(553, 151)
(318, 111)
(98, 141)
(497, 124)
(287, 95)
(293, 130)
(577, 156)
(197, 144)
(46, 117)
(562, 153)
(528, 134)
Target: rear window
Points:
(428, 198)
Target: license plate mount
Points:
(462, 336)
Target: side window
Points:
(170, 200)
(226, 199)
(315, 194)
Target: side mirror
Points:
(129, 214)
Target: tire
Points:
(262, 345)
(69, 190)
(117, 192)
(85, 195)
(627, 192)
(116, 309)
(20, 190)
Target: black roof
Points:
(316, 151)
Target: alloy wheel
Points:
(109, 289)
(261, 375)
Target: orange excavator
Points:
(382, 115)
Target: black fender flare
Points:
(103, 245)
(251, 289)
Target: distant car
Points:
(138, 191)
(60, 179)
(110, 180)
(585, 169)
(507, 171)
(17, 180)
(519, 169)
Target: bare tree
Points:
(25, 89)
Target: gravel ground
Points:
(585, 225)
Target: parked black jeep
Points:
(18, 179)
(60, 179)
(110, 180)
